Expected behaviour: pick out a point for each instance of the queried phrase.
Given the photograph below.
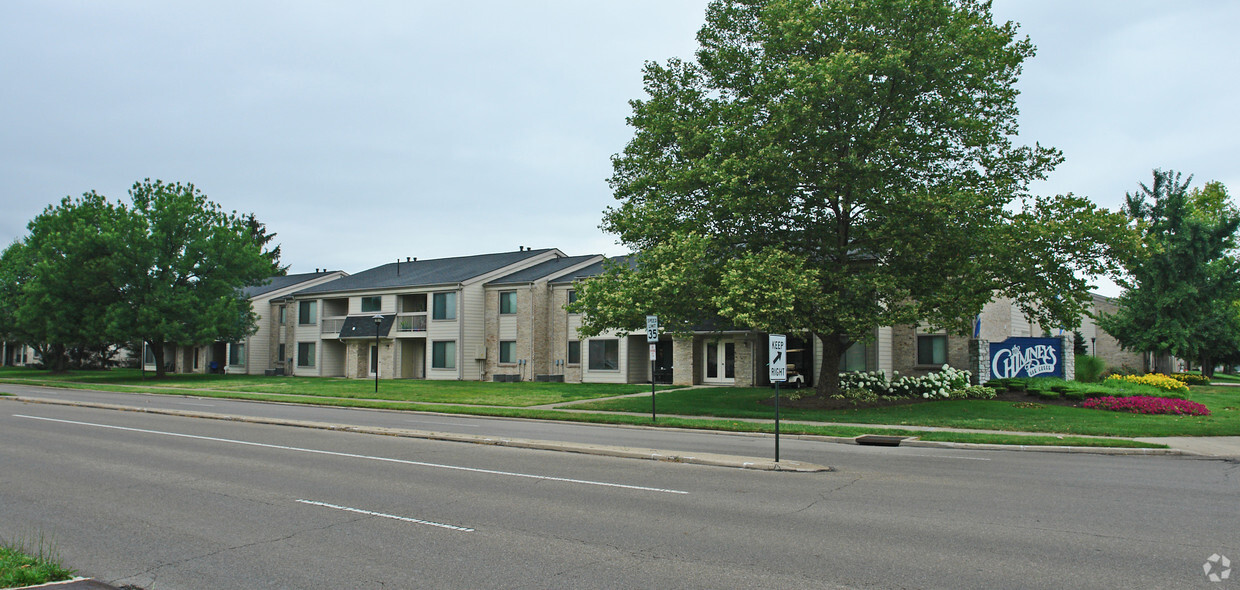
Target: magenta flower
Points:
(1148, 405)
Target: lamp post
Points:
(378, 320)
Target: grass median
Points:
(722, 409)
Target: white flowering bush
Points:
(938, 385)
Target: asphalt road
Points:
(167, 502)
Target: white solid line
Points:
(355, 456)
(391, 516)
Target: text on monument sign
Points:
(1026, 357)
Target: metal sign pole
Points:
(652, 337)
(777, 371)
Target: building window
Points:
(572, 295)
(372, 303)
(856, 358)
(280, 354)
(195, 358)
(307, 313)
(374, 359)
(508, 351)
(280, 313)
(305, 354)
(507, 302)
(574, 352)
(236, 355)
(605, 355)
(443, 306)
(931, 349)
(148, 357)
(443, 355)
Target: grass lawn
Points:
(523, 394)
(736, 402)
(22, 566)
(713, 406)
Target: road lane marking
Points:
(391, 516)
(356, 456)
(193, 404)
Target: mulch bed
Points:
(810, 402)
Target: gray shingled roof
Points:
(439, 271)
(541, 270)
(277, 283)
(592, 270)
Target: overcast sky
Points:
(362, 132)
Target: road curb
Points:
(711, 459)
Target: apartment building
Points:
(411, 319)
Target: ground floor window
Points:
(443, 355)
(236, 354)
(574, 352)
(280, 354)
(374, 359)
(305, 354)
(855, 358)
(604, 355)
(508, 351)
(932, 349)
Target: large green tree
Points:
(188, 263)
(837, 165)
(73, 283)
(1182, 287)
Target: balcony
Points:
(331, 325)
(408, 323)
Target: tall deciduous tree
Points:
(1182, 286)
(189, 261)
(838, 165)
(75, 277)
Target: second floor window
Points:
(443, 306)
(372, 304)
(307, 313)
(508, 302)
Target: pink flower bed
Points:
(1148, 405)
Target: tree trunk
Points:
(833, 348)
(55, 360)
(157, 350)
(1207, 367)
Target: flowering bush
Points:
(1148, 405)
(1156, 379)
(935, 385)
(1191, 379)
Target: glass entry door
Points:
(720, 365)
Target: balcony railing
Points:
(411, 322)
(331, 325)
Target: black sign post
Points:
(778, 373)
(652, 337)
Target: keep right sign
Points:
(777, 358)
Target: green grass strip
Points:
(23, 566)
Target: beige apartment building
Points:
(502, 317)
